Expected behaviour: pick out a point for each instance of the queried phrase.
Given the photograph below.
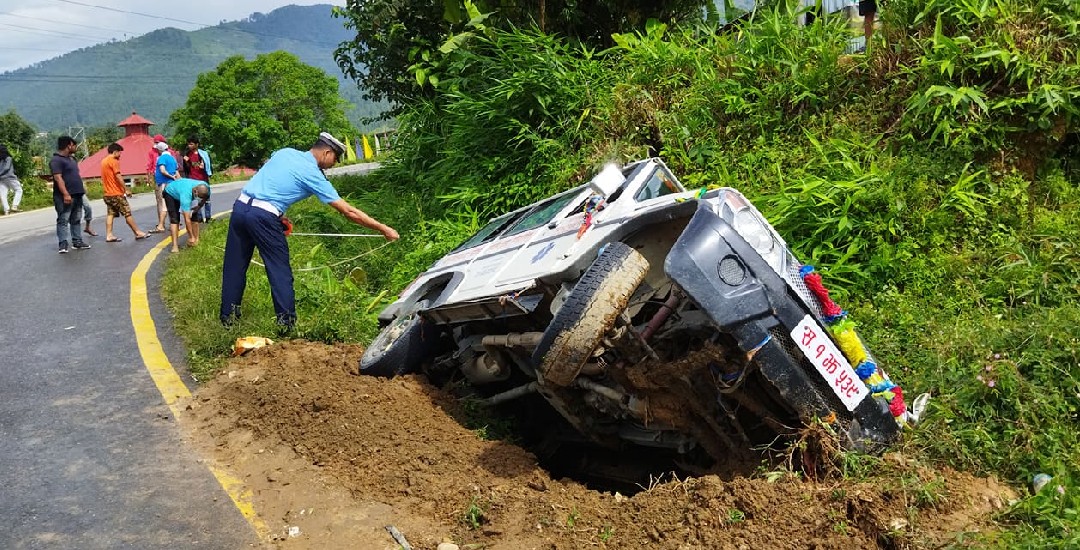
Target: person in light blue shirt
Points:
(258, 221)
(180, 199)
(167, 168)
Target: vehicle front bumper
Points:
(759, 311)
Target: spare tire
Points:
(401, 347)
(601, 294)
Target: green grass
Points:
(934, 192)
(341, 284)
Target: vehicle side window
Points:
(660, 183)
(542, 214)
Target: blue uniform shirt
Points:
(288, 177)
(183, 191)
(170, 166)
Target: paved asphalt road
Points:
(90, 455)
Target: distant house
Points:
(136, 142)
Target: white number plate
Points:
(830, 363)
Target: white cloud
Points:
(37, 30)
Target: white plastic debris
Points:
(1040, 481)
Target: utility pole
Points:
(79, 134)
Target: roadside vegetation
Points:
(933, 182)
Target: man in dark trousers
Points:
(68, 191)
(256, 222)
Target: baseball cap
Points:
(158, 137)
(333, 142)
(161, 146)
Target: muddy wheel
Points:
(601, 294)
(401, 347)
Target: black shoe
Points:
(63, 249)
(81, 246)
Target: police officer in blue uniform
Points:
(256, 222)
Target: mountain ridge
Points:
(152, 74)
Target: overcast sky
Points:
(36, 30)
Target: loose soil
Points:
(337, 457)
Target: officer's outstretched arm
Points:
(358, 216)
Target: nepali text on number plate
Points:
(814, 342)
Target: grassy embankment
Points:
(933, 182)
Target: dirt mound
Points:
(341, 456)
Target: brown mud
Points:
(337, 457)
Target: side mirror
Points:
(607, 181)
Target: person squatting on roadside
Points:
(68, 192)
(180, 198)
(116, 194)
(9, 182)
(196, 165)
(256, 222)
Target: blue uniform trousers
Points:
(251, 228)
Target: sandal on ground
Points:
(90, 232)
(116, 240)
(142, 236)
(156, 230)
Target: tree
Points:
(17, 134)
(398, 41)
(245, 110)
(100, 137)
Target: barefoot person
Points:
(289, 176)
(183, 197)
(116, 194)
(868, 10)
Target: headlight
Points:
(753, 229)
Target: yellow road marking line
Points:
(170, 385)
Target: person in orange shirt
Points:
(116, 194)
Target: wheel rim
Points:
(394, 332)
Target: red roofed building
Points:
(136, 142)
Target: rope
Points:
(334, 235)
(361, 255)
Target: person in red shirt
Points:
(196, 164)
(116, 194)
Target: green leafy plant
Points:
(733, 516)
(474, 515)
(607, 533)
(572, 518)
